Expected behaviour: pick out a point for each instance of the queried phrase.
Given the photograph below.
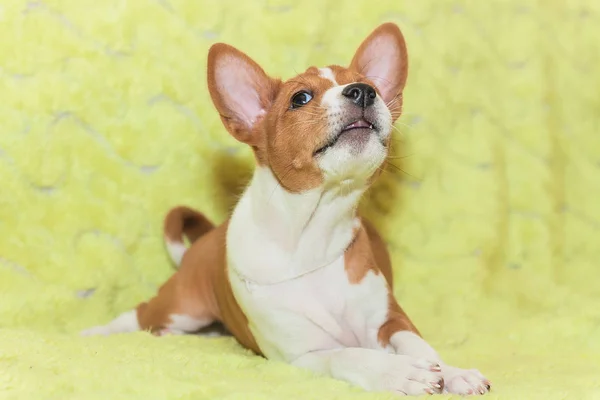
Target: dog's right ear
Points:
(241, 91)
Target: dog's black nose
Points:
(361, 94)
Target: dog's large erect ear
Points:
(240, 90)
(383, 59)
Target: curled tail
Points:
(183, 221)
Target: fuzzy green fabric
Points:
(494, 224)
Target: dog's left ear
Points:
(383, 59)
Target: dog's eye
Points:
(300, 99)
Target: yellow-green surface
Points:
(105, 123)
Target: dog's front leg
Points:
(376, 370)
(456, 380)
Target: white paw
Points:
(411, 376)
(126, 322)
(169, 331)
(464, 381)
(96, 331)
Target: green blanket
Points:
(492, 214)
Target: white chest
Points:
(285, 254)
(320, 310)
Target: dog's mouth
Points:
(360, 124)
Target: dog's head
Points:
(323, 127)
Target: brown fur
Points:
(185, 221)
(199, 289)
(285, 140)
(367, 253)
(290, 156)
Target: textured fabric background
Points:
(105, 123)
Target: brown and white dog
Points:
(295, 274)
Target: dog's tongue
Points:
(361, 123)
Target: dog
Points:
(295, 274)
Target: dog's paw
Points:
(96, 331)
(464, 381)
(169, 332)
(410, 376)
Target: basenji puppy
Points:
(295, 274)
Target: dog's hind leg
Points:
(174, 310)
(126, 322)
(186, 302)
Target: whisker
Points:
(393, 103)
(384, 170)
(396, 98)
(372, 77)
(302, 111)
(403, 124)
(401, 170)
(305, 123)
(286, 171)
(400, 157)
(402, 134)
(299, 76)
(399, 131)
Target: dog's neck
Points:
(291, 234)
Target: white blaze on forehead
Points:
(327, 73)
